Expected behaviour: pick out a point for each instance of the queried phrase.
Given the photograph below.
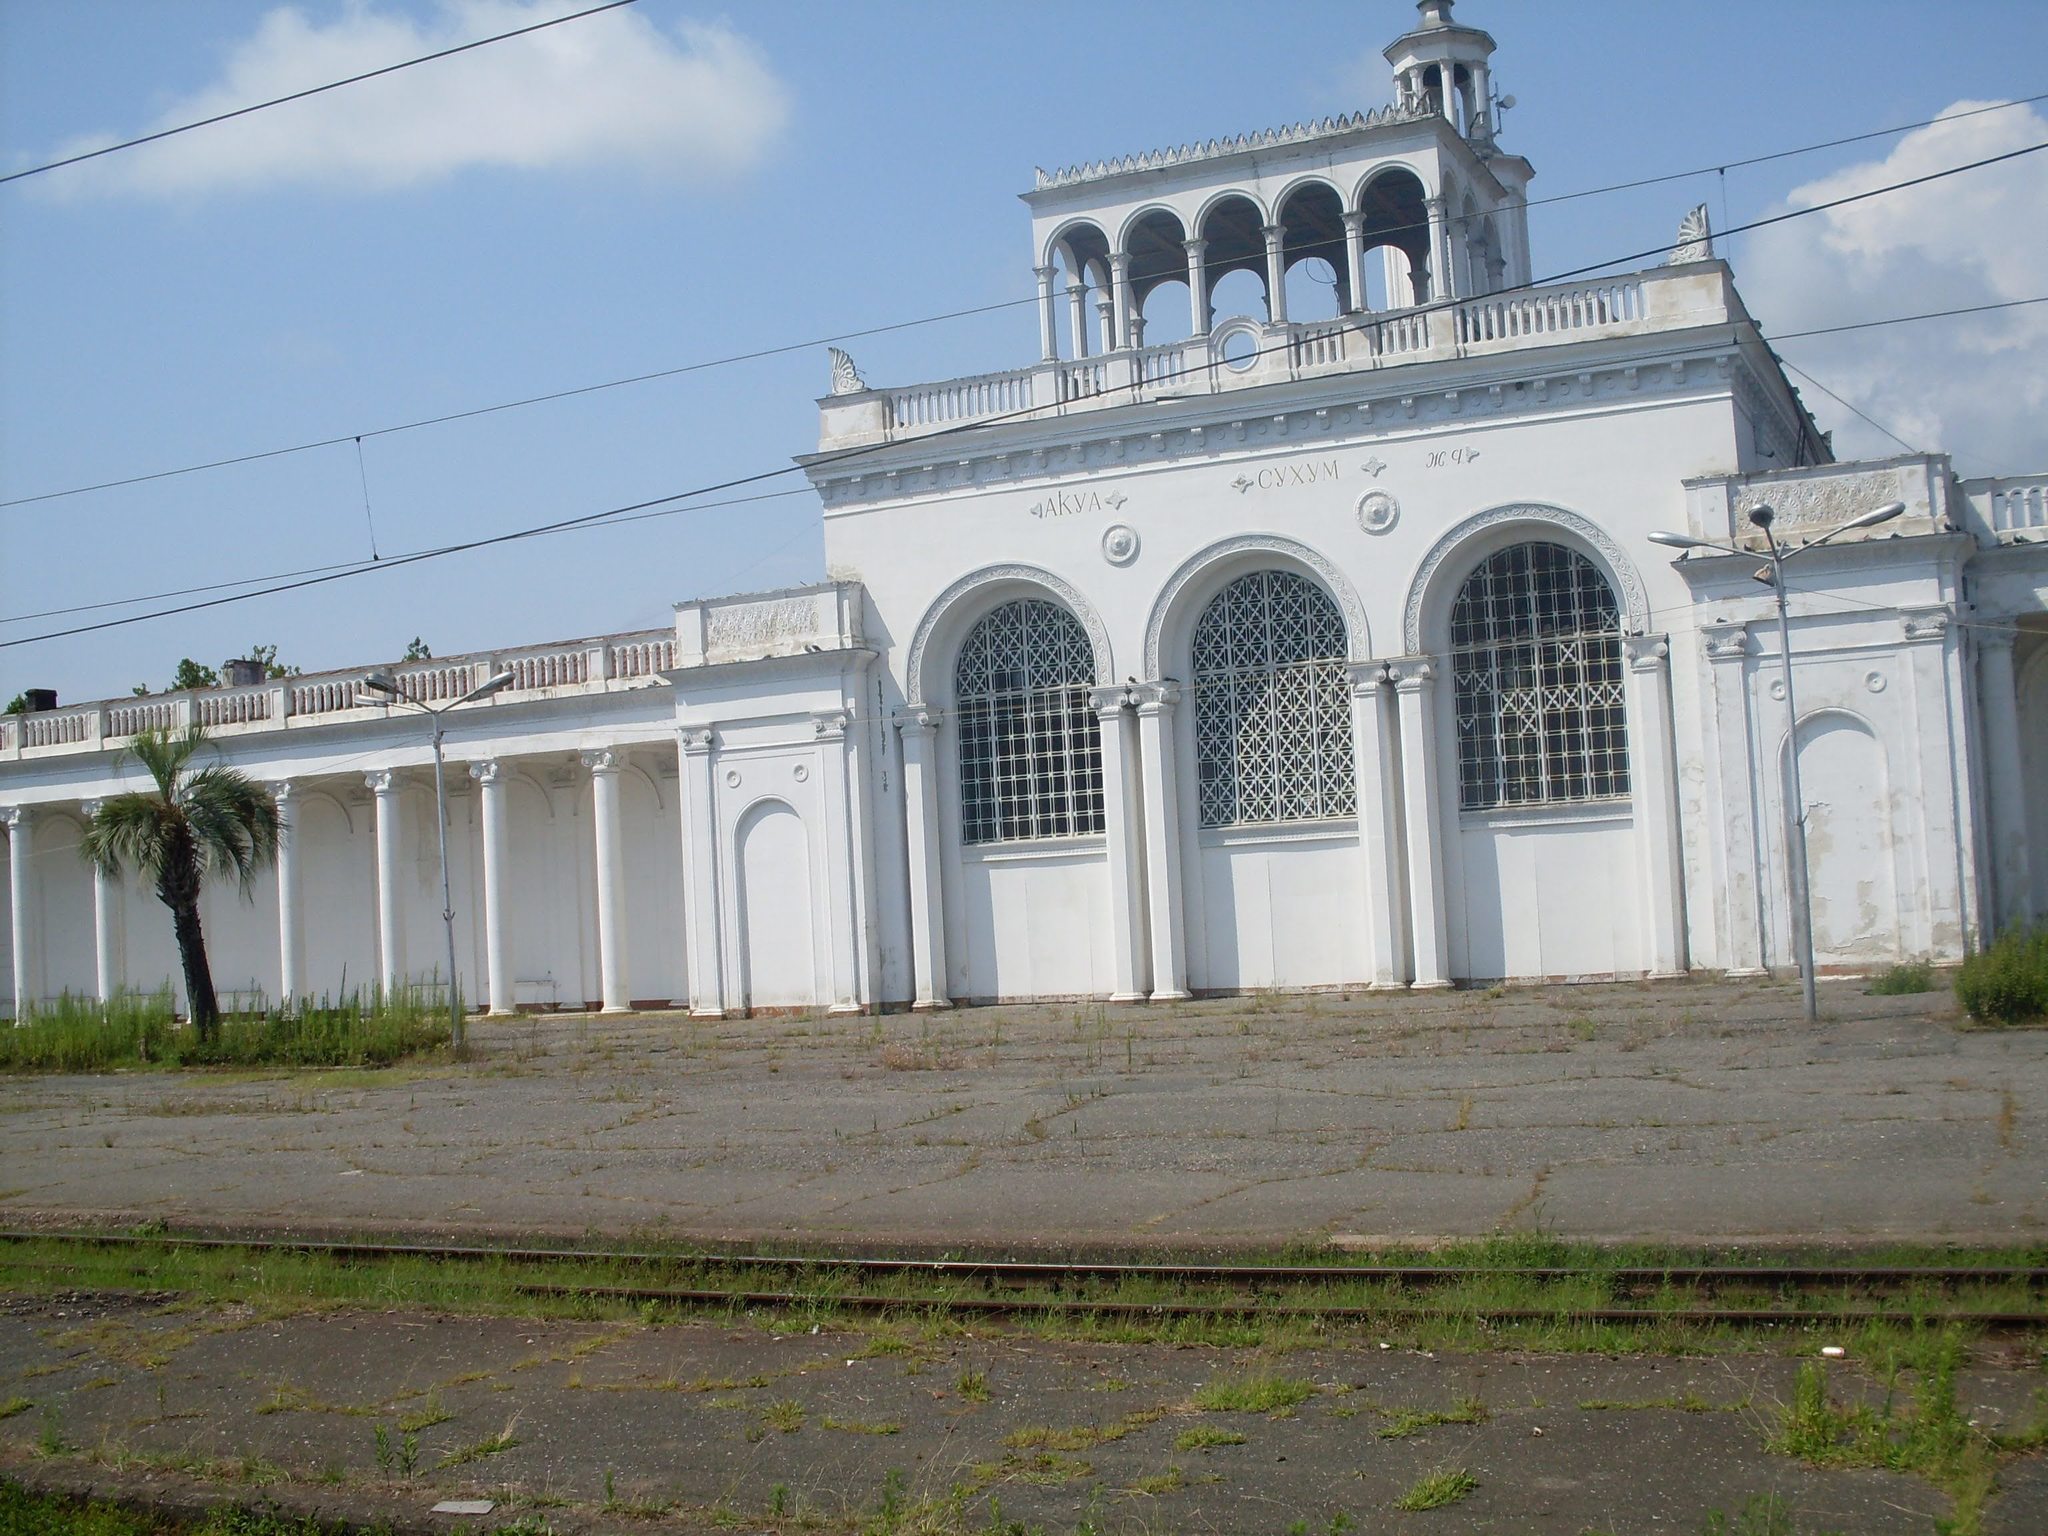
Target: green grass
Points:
(134, 1031)
(1205, 1437)
(2007, 983)
(1260, 1393)
(1433, 1490)
(1764, 1515)
(1902, 980)
(1469, 1410)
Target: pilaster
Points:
(698, 745)
(1164, 901)
(918, 730)
(1376, 771)
(1653, 782)
(1122, 842)
(843, 907)
(1736, 798)
(1414, 680)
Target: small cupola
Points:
(1445, 67)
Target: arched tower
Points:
(1446, 68)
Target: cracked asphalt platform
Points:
(1686, 1111)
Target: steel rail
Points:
(1042, 1271)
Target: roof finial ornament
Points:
(1435, 13)
(1695, 239)
(846, 379)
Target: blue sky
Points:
(676, 183)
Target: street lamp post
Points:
(1773, 576)
(383, 682)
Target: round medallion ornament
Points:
(1119, 543)
(800, 773)
(1377, 511)
(1874, 681)
(732, 778)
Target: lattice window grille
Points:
(1272, 705)
(1536, 669)
(1030, 745)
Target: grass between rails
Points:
(362, 1029)
(1452, 1315)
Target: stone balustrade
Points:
(2013, 510)
(1562, 313)
(628, 660)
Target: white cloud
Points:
(1970, 386)
(697, 102)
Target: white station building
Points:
(1299, 653)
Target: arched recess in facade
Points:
(1266, 857)
(1549, 664)
(1019, 908)
(1858, 885)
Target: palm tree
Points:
(196, 822)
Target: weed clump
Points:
(2007, 983)
(1903, 980)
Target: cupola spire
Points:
(1446, 66)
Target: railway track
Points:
(2008, 1297)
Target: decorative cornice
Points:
(1216, 149)
(1357, 637)
(1634, 600)
(989, 575)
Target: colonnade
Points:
(1402, 828)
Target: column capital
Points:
(1726, 642)
(1158, 697)
(698, 740)
(1434, 205)
(1990, 637)
(918, 720)
(1076, 289)
(830, 724)
(1411, 674)
(1366, 676)
(488, 771)
(90, 808)
(1045, 275)
(12, 816)
(382, 781)
(1646, 653)
(283, 791)
(1196, 247)
(604, 760)
(1119, 263)
(1108, 701)
(1354, 221)
(1927, 623)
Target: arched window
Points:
(1536, 658)
(1272, 711)
(1030, 745)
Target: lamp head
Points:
(486, 688)
(1883, 514)
(381, 681)
(1677, 540)
(1762, 515)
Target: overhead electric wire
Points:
(1848, 405)
(978, 424)
(1931, 314)
(315, 90)
(741, 357)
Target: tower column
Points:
(1379, 820)
(1105, 319)
(1354, 261)
(390, 940)
(291, 927)
(1162, 841)
(1077, 317)
(604, 766)
(2012, 891)
(1120, 836)
(1120, 292)
(21, 851)
(1048, 344)
(919, 737)
(1414, 679)
(1276, 274)
(1198, 286)
(700, 872)
(1441, 286)
(490, 782)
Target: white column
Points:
(291, 928)
(1120, 296)
(843, 910)
(1276, 275)
(1354, 260)
(1653, 794)
(2012, 892)
(1379, 821)
(1162, 841)
(1105, 319)
(106, 896)
(28, 970)
(604, 769)
(1198, 286)
(927, 890)
(1121, 839)
(700, 871)
(1077, 317)
(1727, 647)
(1414, 679)
(490, 778)
(1048, 344)
(1441, 286)
(390, 937)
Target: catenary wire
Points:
(1848, 405)
(665, 373)
(315, 90)
(979, 424)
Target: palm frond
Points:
(129, 832)
(234, 822)
(164, 754)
